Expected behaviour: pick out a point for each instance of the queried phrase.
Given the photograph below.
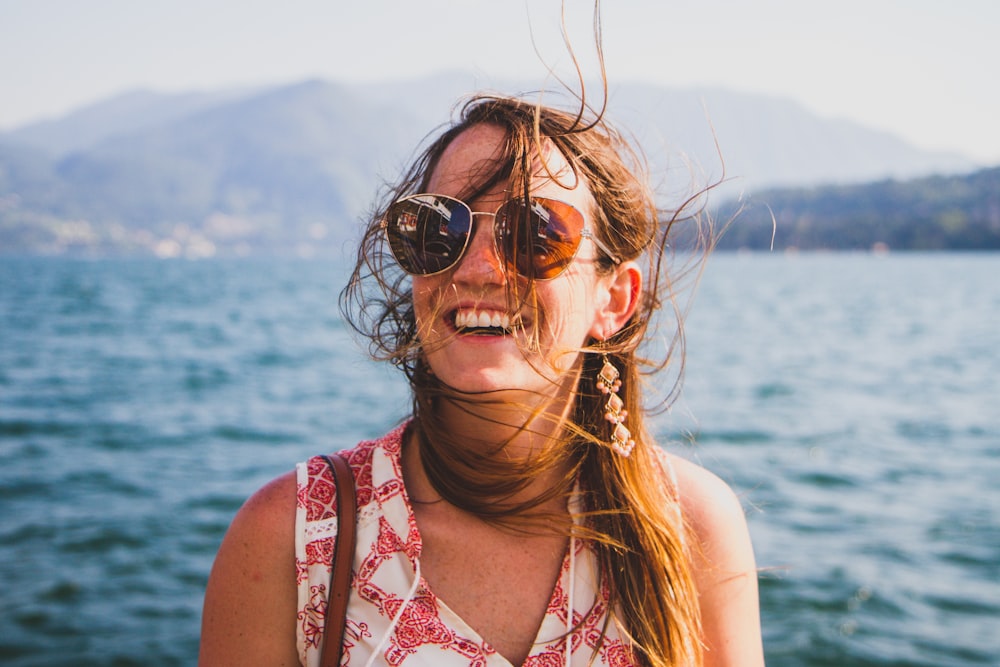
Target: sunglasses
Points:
(538, 239)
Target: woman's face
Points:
(564, 311)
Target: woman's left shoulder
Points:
(708, 503)
(723, 564)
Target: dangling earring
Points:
(609, 382)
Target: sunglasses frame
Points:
(420, 198)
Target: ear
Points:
(621, 292)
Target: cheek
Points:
(566, 315)
(425, 293)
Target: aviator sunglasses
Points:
(428, 234)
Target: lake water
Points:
(853, 401)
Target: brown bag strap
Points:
(343, 555)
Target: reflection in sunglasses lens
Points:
(540, 241)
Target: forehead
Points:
(472, 158)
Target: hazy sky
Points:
(924, 69)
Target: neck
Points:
(541, 492)
(514, 423)
(499, 449)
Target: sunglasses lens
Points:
(427, 233)
(540, 239)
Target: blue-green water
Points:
(853, 401)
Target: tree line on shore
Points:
(958, 212)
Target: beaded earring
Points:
(609, 382)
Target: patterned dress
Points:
(393, 617)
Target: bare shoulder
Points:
(250, 601)
(709, 504)
(272, 507)
(263, 530)
(723, 566)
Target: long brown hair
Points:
(631, 513)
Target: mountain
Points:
(761, 141)
(269, 171)
(126, 113)
(290, 169)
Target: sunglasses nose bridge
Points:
(481, 253)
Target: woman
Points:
(523, 515)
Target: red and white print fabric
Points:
(393, 618)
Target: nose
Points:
(480, 261)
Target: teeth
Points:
(470, 319)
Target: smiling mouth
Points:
(482, 322)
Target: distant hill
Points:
(289, 169)
(932, 213)
(127, 113)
